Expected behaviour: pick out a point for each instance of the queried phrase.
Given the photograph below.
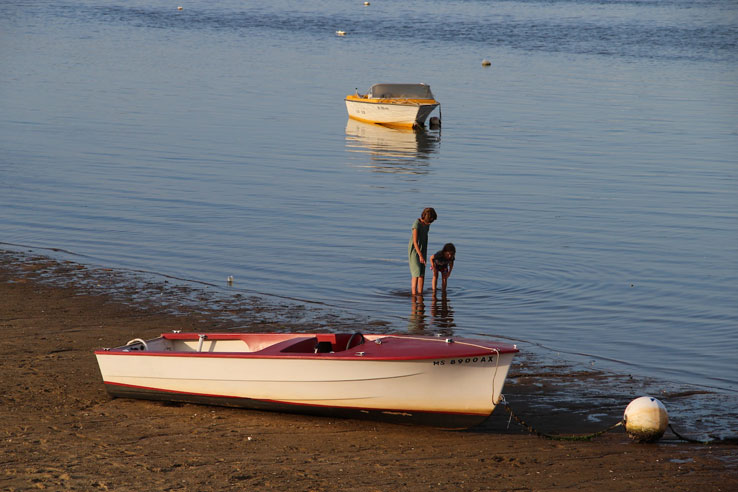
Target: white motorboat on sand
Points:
(442, 382)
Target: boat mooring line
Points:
(589, 437)
(696, 441)
(538, 433)
(444, 340)
(723, 440)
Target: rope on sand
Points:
(533, 430)
(724, 440)
(686, 438)
(588, 437)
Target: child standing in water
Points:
(417, 249)
(443, 262)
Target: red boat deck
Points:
(345, 346)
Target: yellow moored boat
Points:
(398, 105)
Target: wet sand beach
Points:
(59, 430)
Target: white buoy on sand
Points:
(645, 419)
(486, 63)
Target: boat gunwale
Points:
(355, 353)
(392, 101)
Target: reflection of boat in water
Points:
(392, 149)
(399, 105)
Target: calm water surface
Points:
(588, 177)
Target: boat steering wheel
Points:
(138, 340)
(357, 334)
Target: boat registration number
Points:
(468, 360)
(378, 108)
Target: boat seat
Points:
(323, 347)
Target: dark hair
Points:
(428, 215)
(450, 248)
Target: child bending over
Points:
(442, 263)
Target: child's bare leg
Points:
(444, 281)
(435, 278)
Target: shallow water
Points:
(588, 177)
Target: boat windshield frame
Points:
(400, 91)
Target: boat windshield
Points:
(400, 91)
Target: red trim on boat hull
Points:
(444, 420)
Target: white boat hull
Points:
(407, 115)
(451, 392)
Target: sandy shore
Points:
(59, 430)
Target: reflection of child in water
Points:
(442, 263)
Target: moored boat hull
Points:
(396, 105)
(401, 115)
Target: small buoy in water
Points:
(230, 279)
(340, 33)
(434, 122)
(645, 419)
(486, 63)
(367, 3)
(179, 8)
